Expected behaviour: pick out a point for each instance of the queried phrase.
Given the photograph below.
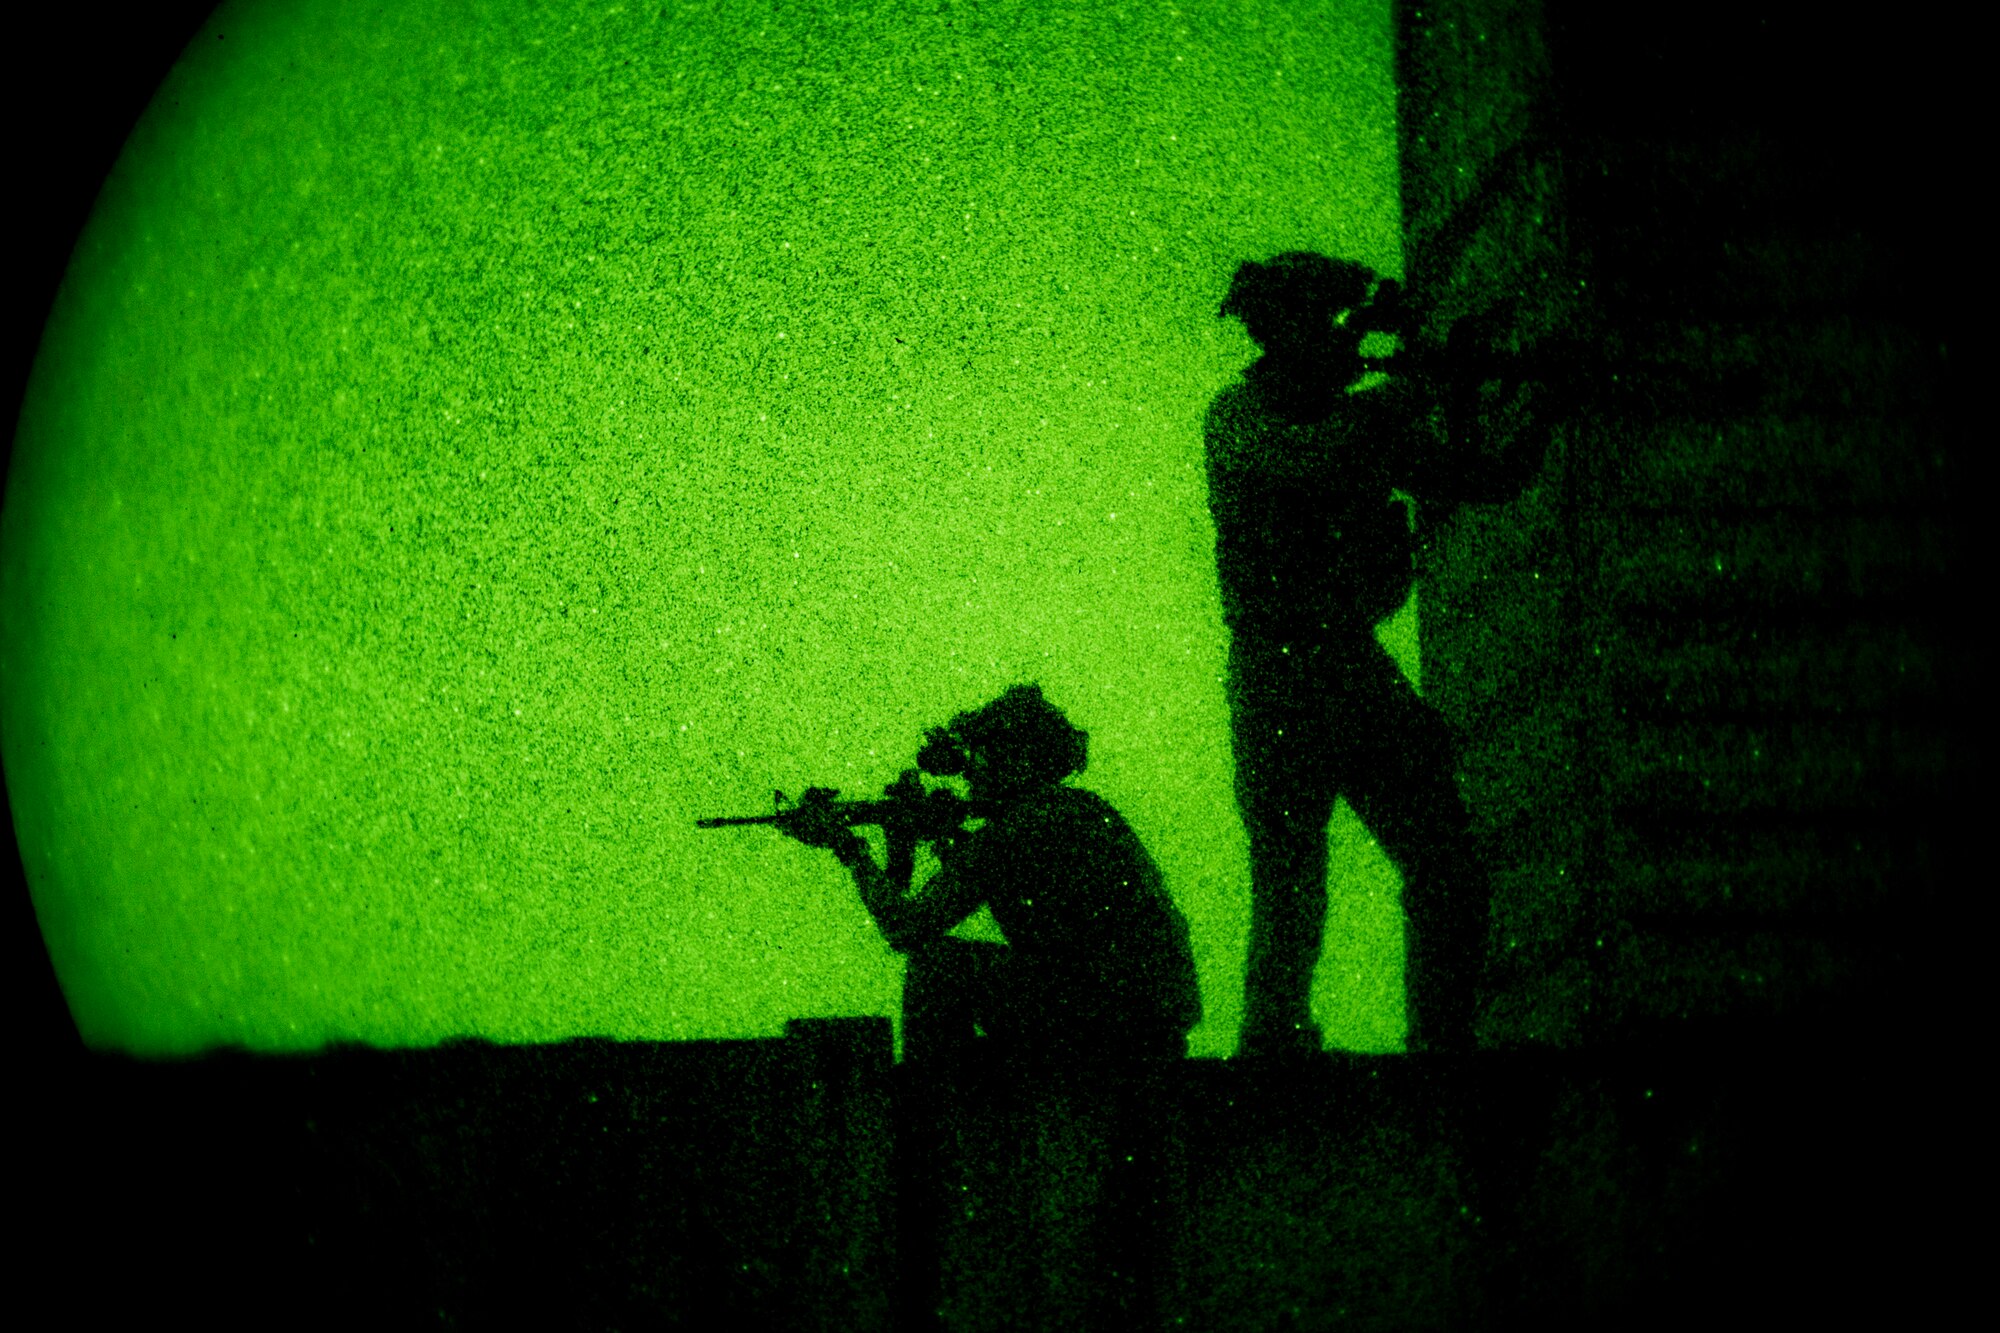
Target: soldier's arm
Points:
(1450, 446)
(909, 917)
(1518, 419)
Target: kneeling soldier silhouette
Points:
(1097, 966)
(1091, 998)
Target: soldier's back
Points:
(1098, 940)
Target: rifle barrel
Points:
(850, 813)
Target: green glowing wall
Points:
(473, 440)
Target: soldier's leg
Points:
(948, 986)
(1287, 919)
(948, 997)
(1285, 793)
(1402, 786)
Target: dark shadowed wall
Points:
(1711, 669)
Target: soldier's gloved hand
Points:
(814, 823)
(944, 814)
(1387, 313)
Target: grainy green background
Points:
(473, 440)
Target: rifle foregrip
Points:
(852, 813)
(849, 813)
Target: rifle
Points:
(1569, 371)
(929, 815)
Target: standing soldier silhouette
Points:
(1312, 549)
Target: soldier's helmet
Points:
(1026, 731)
(1293, 290)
